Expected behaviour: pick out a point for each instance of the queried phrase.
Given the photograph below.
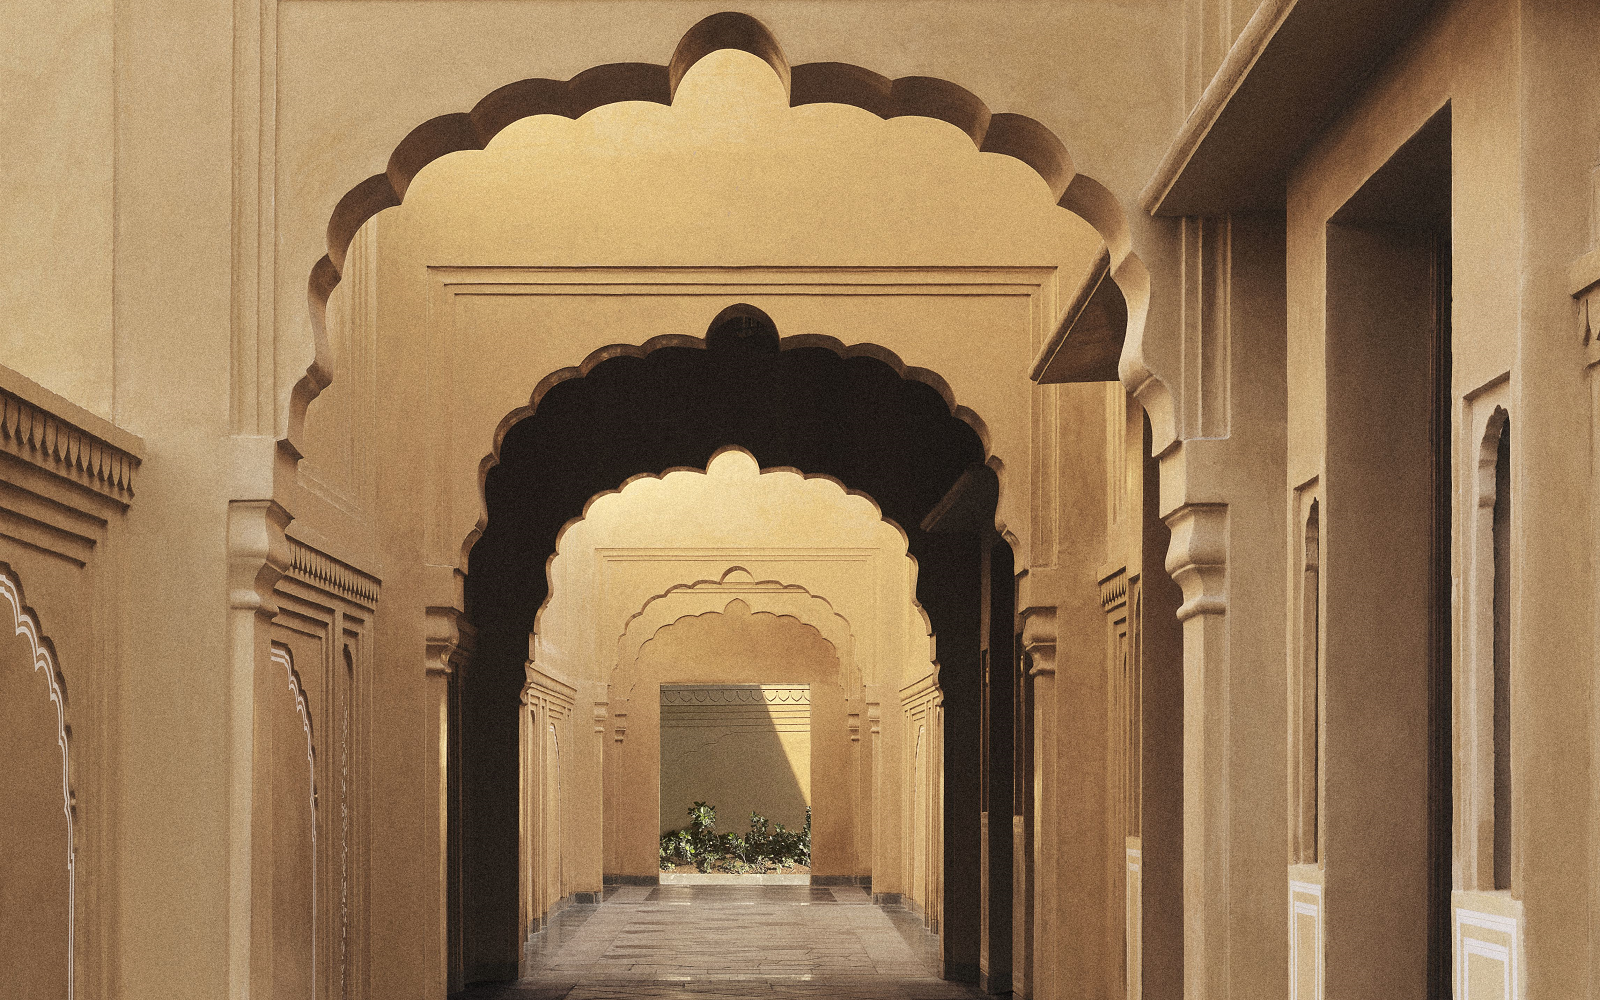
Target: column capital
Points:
(450, 640)
(1039, 639)
(1197, 559)
(258, 554)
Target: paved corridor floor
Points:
(715, 942)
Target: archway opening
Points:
(852, 418)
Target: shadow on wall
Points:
(744, 747)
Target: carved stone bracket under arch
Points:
(42, 655)
(1012, 135)
(450, 640)
(1197, 559)
(1039, 639)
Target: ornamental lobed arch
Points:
(440, 334)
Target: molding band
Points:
(320, 570)
(38, 432)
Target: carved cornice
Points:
(553, 688)
(320, 570)
(258, 554)
(449, 641)
(1198, 558)
(54, 445)
(1114, 589)
(736, 694)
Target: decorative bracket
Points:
(1198, 558)
(259, 554)
(1039, 640)
(450, 641)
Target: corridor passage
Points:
(712, 942)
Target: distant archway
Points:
(853, 419)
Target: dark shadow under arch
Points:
(853, 418)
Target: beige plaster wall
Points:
(57, 109)
(1370, 885)
(741, 748)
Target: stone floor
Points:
(714, 942)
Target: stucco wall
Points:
(741, 748)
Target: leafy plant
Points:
(765, 847)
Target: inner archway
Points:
(854, 419)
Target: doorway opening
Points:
(732, 753)
(855, 421)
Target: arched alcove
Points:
(38, 856)
(731, 645)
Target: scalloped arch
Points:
(761, 597)
(906, 372)
(26, 624)
(624, 679)
(282, 656)
(1017, 136)
(549, 566)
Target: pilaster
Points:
(449, 642)
(1039, 643)
(1197, 562)
(258, 556)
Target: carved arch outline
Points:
(624, 677)
(549, 566)
(25, 622)
(888, 357)
(284, 658)
(1004, 133)
(761, 597)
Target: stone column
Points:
(449, 644)
(1039, 642)
(1197, 562)
(258, 556)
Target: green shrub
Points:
(764, 846)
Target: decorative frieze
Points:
(736, 694)
(324, 572)
(59, 446)
(1114, 590)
